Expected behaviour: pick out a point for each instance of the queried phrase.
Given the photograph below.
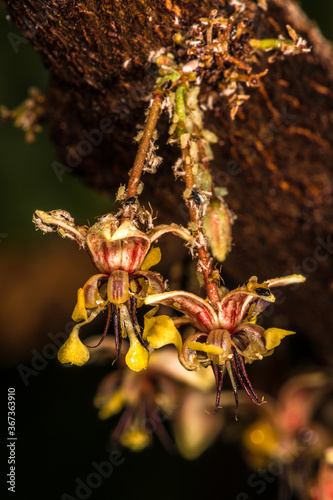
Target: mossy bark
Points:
(275, 157)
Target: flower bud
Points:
(217, 228)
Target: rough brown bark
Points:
(275, 157)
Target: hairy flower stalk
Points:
(150, 126)
(210, 221)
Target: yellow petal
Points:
(137, 356)
(211, 349)
(114, 405)
(74, 351)
(273, 337)
(160, 331)
(135, 439)
(153, 258)
(80, 311)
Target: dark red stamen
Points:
(234, 388)
(116, 329)
(239, 367)
(242, 363)
(218, 372)
(105, 329)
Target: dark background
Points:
(59, 434)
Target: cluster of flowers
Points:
(224, 331)
(225, 334)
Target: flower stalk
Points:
(139, 161)
(205, 261)
(190, 134)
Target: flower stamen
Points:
(116, 329)
(108, 320)
(231, 373)
(239, 367)
(218, 373)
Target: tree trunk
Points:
(275, 157)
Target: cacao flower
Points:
(122, 254)
(226, 333)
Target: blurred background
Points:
(59, 433)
